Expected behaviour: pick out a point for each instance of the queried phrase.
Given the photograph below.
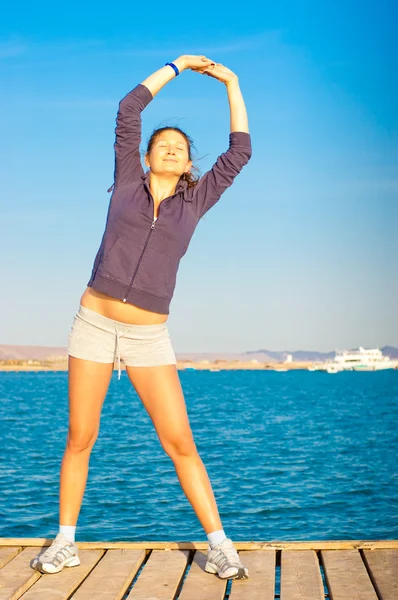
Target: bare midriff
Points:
(119, 310)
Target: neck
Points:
(162, 186)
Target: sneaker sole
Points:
(241, 574)
(74, 561)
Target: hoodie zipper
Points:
(147, 239)
(145, 245)
(140, 259)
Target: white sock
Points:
(68, 531)
(216, 537)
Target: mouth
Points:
(169, 160)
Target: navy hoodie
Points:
(138, 259)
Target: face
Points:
(169, 154)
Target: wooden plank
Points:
(259, 545)
(383, 568)
(346, 575)
(200, 585)
(112, 576)
(161, 576)
(59, 586)
(261, 582)
(7, 554)
(301, 576)
(17, 575)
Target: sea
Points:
(291, 456)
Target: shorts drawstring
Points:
(118, 336)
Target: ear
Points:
(188, 167)
(146, 160)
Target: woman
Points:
(151, 219)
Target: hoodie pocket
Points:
(119, 260)
(154, 274)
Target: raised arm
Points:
(222, 174)
(128, 135)
(128, 165)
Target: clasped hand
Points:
(205, 66)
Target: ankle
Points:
(69, 532)
(216, 537)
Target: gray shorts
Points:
(98, 338)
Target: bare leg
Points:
(160, 391)
(88, 384)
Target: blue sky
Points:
(300, 253)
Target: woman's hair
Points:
(192, 177)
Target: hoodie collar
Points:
(181, 185)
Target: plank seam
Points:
(228, 589)
(87, 575)
(326, 592)
(369, 572)
(11, 557)
(321, 562)
(132, 583)
(278, 574)
(185, 574)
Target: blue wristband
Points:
(177, 72)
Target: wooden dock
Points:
(337, 570)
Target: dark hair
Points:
(192, 177)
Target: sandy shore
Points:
(219, 365)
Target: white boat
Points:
(363, 359)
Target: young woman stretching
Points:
(151, 219)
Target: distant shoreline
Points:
(219, 365)
(182, 365)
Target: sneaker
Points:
(62, 553)
(224, 560)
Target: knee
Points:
(80, 441)
(181, 446)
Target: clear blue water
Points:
(291, 456)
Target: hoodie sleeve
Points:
(128, 135)
(215, 181)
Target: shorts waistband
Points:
(109, 324)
